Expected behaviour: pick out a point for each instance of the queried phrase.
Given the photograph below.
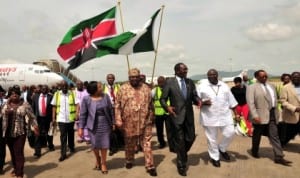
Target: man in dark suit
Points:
(182, 95)
(261, 98)
(41, 105)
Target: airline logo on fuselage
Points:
(6, 70)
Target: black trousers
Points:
(288, 132)
(2, 148)
(43, 139)
(16, 148)
(183, 139)
(66, 134)
(159, 123)
(269, 130)
(116, 140)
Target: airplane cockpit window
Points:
(47, 71)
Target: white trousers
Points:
(212, 139)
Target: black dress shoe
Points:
(182, 171)
(37, 155)
(282, 162)
(51, 148)
(152, 172)
(62, 158)
(215, 163)
(128, 165)
(255, 155)
(1, 171)
(162, 145)
(72, 150)
(112, 153)
(225, 155)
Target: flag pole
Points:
(157, 42)
(121, 16)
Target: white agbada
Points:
(219, 113)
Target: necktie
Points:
(112, 94)
(43, 105)
(269, 98)
(183, 88)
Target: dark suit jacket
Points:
(183, 107)
(88, 112)
(35, 106)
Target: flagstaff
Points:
(157, 42)
(122, 24)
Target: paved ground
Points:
(242, 165)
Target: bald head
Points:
(212, 76)
(110, 78)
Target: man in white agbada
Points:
(216, 115)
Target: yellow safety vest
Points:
(116, 88)
(72, 105)
(158, 109)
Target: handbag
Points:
(31, 139)
(240, 127)
(30, 133)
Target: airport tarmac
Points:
(242, 165)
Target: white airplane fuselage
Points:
(230, 79)
(27, 74)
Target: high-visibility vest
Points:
(72, 105)
(116, 88)
(158, 109)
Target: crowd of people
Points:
(112, 116)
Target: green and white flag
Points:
(133, 41)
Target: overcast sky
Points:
(226, 35)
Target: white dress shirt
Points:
(64, 112)
(271, 91)
(40, 104)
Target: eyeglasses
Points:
(134, 76)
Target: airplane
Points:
(27, 74)
(230, 79)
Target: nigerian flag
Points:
(133, 41)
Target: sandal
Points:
(97, 168)
(13, 173)
(104, 169)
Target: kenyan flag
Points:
(79, 44)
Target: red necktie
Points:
(43, 105)
(112, 94)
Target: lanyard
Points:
(215, 91)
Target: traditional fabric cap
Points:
(134, 72)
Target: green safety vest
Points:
(158, 109)
(72, 105)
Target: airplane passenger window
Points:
(36, 71)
